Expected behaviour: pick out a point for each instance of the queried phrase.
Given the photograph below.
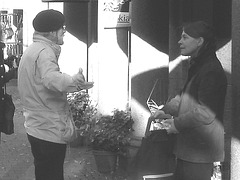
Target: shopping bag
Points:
(155, 155)
(7, 124)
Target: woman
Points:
(5, 75)
(198, 111)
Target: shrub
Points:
(112, 132)
(83, 111)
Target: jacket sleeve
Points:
(172, 106)
(206, 105)
(10, 74)
(50, 74)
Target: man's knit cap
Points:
(48, 20)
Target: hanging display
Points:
(117, 13)
(12, 24)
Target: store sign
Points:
(117, 19)
(123, 18)
(116, 13)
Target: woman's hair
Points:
(201, 29)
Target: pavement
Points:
(16, 161)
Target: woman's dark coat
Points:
(4, 78)
(199, 112)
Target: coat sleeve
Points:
(172, 106)
(208, 103)
(10, 74)
(50, 74)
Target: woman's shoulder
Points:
(213, 64)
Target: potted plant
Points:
(110, 137)
(83, 112)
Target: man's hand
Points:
(80, 82)
(85, 85)
(79, 77)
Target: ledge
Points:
(68, 0)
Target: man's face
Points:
(59, 34)
(189, 46)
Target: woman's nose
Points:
(180, 41)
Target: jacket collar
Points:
(197, 63)
(55, 47)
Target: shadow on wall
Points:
(79, 11)
(122, 39)
(150, 22)
(143, 83)
(145, 16)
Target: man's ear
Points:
(53, 32)
(52, 35)
(201, 41)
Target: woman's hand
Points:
(159, 114)
(170, 127)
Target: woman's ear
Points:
(201, 41)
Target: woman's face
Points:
(189, 46)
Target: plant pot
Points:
(123, 162)
(106, 161)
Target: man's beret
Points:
(48, 20)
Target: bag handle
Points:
(147, 131)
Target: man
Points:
(43, 92)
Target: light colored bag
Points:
(69, 133)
